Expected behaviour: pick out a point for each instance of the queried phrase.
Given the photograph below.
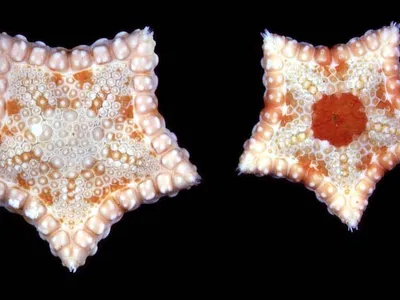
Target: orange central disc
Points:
(338, 119)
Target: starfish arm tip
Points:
(148, 30)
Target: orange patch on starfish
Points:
(46, 197)
(43, 103)
(341, 70)
(96, 104)
(22, 182)
(13, 107)
(136, 135)
(57, 78)
(6, 131)
(364, 162)
(331, 118)
(310, 162)
(82, 141)
(126, 107)
(287, 119)
(84, 77)
(338, 119)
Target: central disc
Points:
(338, 119)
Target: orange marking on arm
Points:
(321, 167)
(364, 162)
(136, 135)
(318, 165)
(43, 103)
(13, 107)
(71, 185)
(98, 170)
(287, 119)
(126, 106)
(96, 104)
(45, 196)
(384, 102)
(87, 174)
(128, 112)
(63, 102)
(22, 182)
(289, 100)
(304, 161)
(57, 78)
(6, 130)
(387, 107)
(106, 190)
(27, 156)
(324, 70)
(116, 186)
(341, 71)
(379, 150)
(94, 199)
(16, 160)
(381, 92)
(84, 77)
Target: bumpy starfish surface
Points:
(331, 118)
(81, 138)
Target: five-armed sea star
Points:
(81, 138)
(331, 118)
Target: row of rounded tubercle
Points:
(134, 47)
(378, 41)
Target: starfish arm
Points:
(97, 105)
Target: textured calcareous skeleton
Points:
(81, 138)
(331, 118)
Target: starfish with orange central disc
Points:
(331, 118)
(81, 138)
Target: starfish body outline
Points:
(82, 140)
(300, 137)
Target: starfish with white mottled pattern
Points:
(331, 118)
(81, 138)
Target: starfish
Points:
(331, 118)
(81, 139)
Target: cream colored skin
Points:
(292, 67)
(172, 172)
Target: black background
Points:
(230, 232)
